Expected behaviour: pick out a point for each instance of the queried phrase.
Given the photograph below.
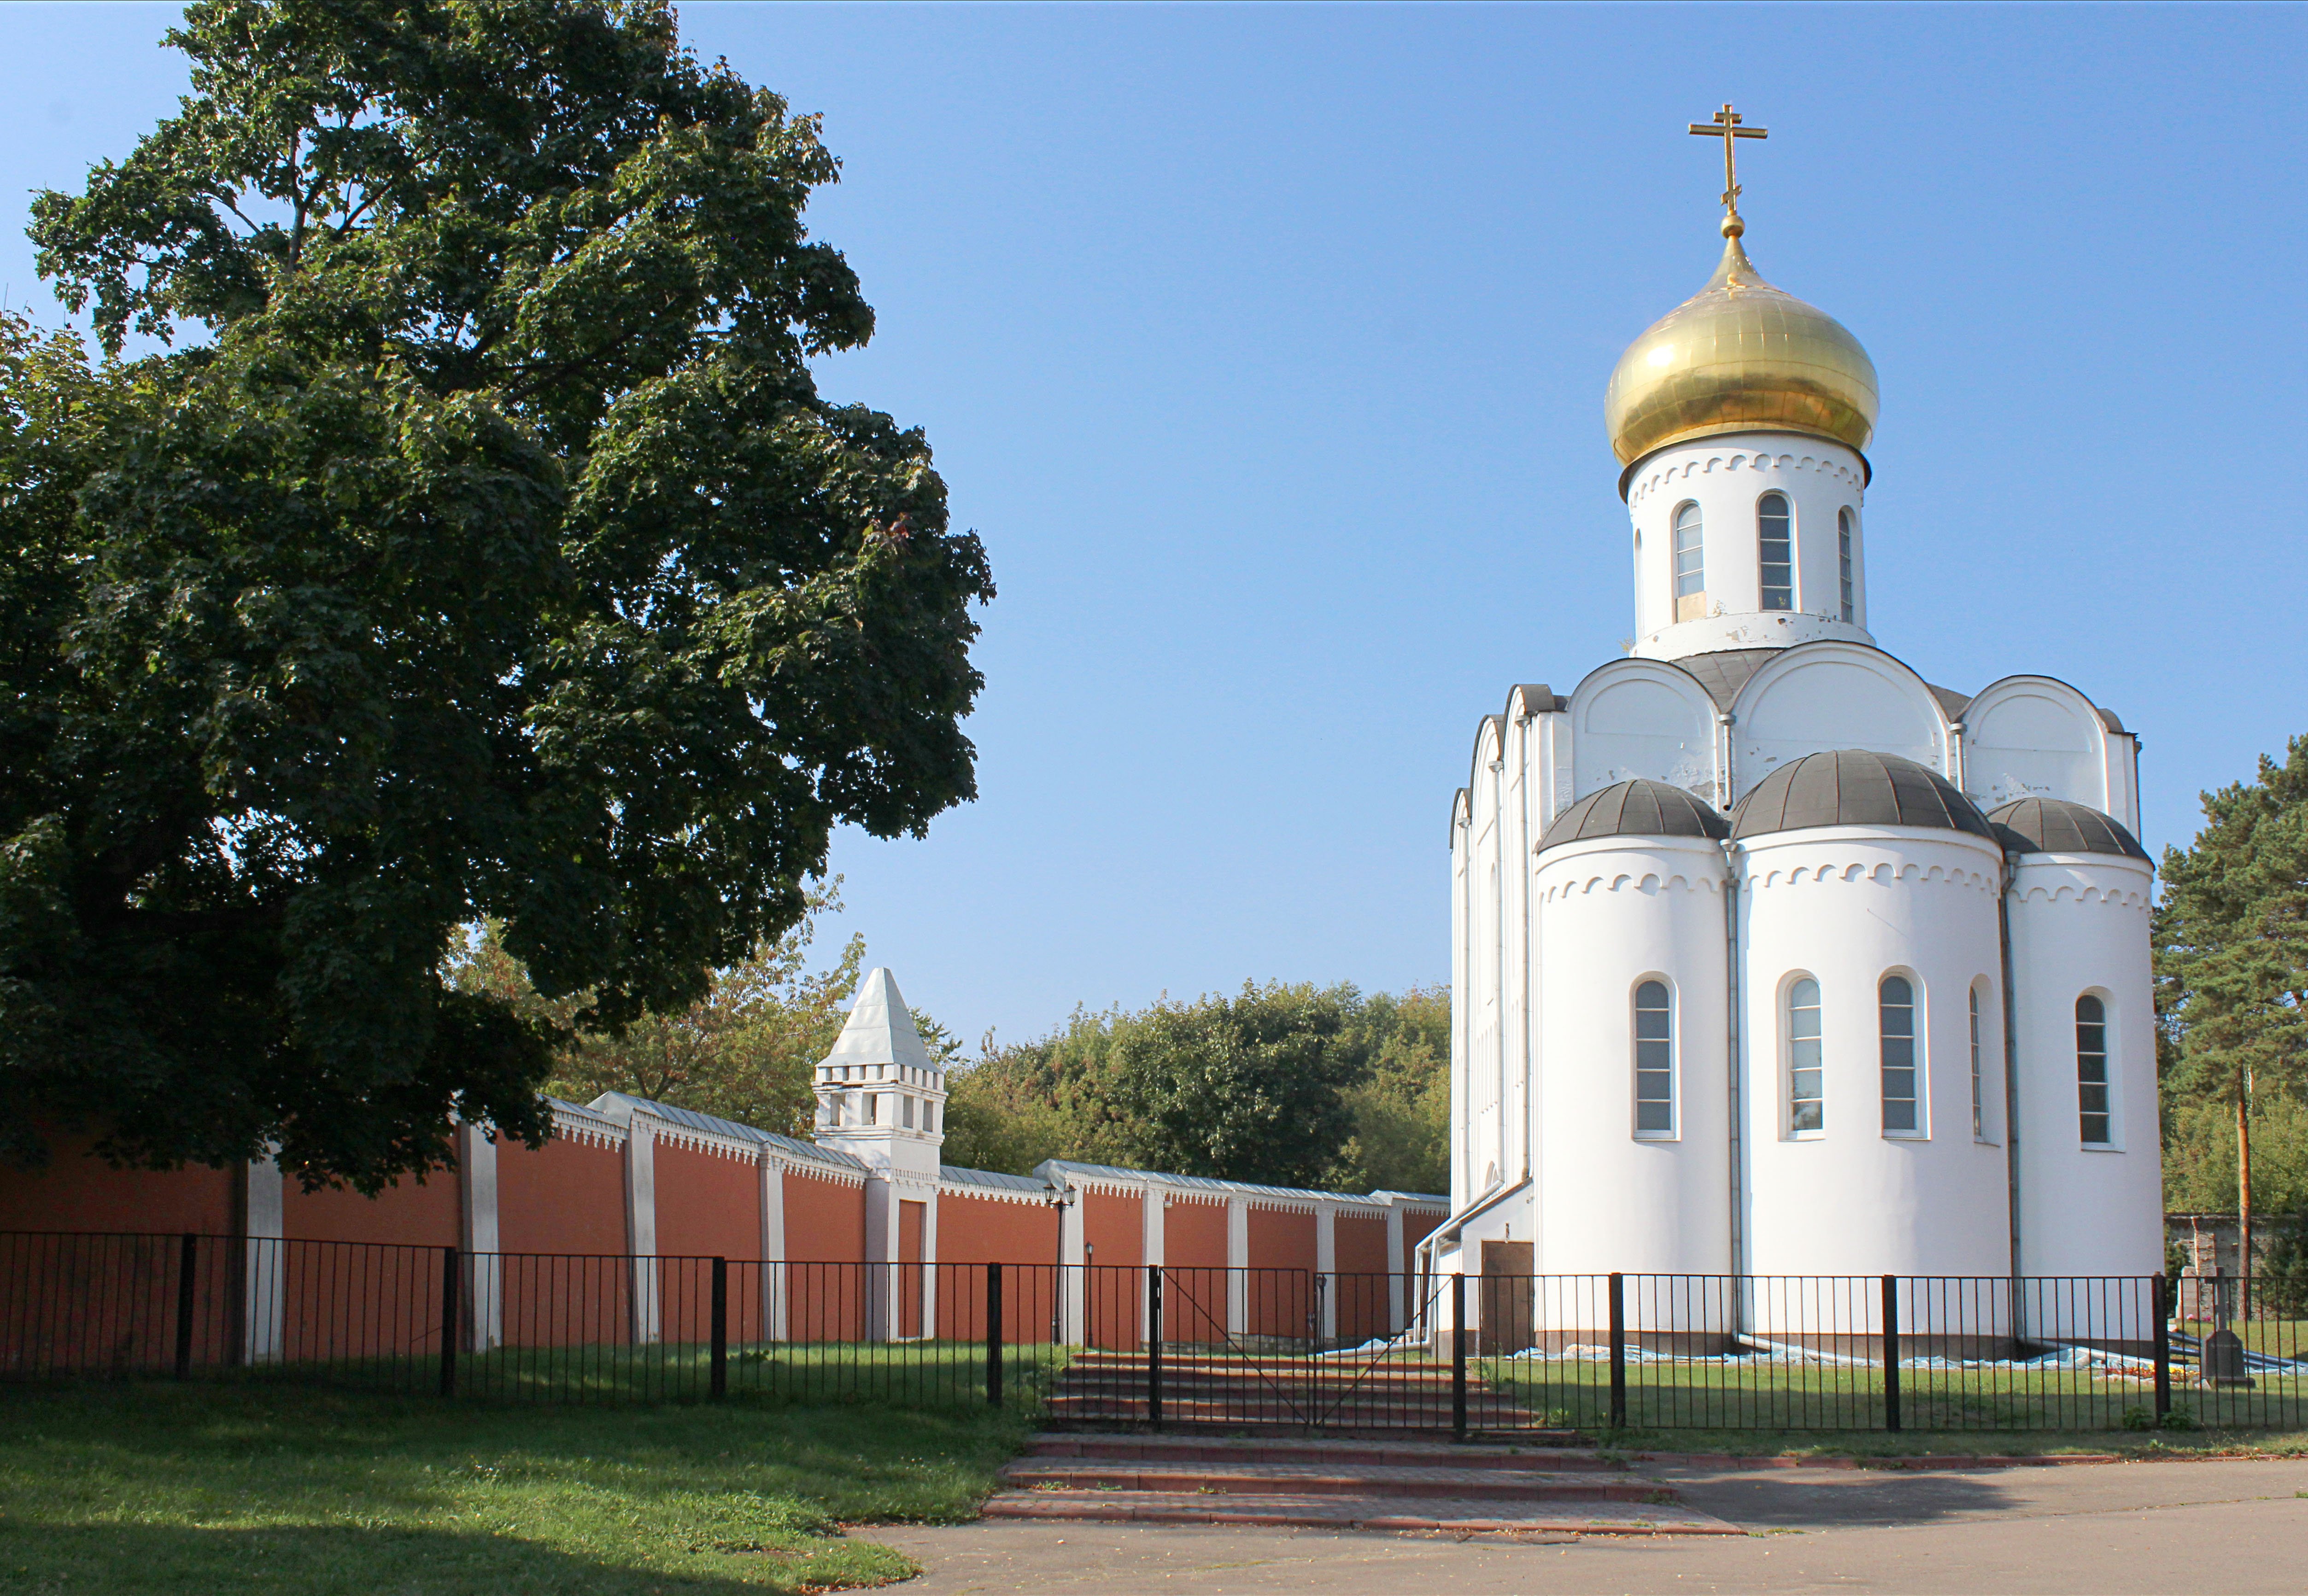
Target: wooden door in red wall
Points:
(911, 1216)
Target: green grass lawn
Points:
(255, 1487)
(1769, 1408)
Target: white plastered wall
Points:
(1849, 906)
(2037, 737)
(1613, 912)
(1725, 477)
(1831, 696)
(1641, 718)
(2079, 924)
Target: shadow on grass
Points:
(231, 1488)
(315, 1560)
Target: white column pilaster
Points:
(1326, 1266)
(1396, 1265)
(1074, 1279)
(773, 1249)
(880, 1258)
(1153, 1219)
(262, 1220)
(929, 1263)
(640, 1226)
(1238, 1262)
(476, 1212)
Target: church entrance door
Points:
(1508, 1290)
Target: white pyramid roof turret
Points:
(880, 1097)
(880, 1028)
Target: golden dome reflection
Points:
(1740, 355)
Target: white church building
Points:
(1769, 957)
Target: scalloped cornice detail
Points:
(587, 1132)
(955, 1190)
(810, 1169)
(1877, 873)
(1649, 882)
(1738, 460)
(700, 1141)
(2069, 892)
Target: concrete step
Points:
(1195, 1361)
(1459, 1515)
(1347, 1415)
(1134, 1380)
(1329, 1479)
(1550, 1450)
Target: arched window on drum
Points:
(1895, 1008)
(1654, 1061)
(1807, 1071)
(1843, 531)
(1775, 550)
(1689, 564)
(2094, 1113)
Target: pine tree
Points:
(2231, 938)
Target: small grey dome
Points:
(2055, 826)
(1854, 787)
(1636, 809)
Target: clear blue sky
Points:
(1265, 347)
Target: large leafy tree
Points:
(2231, 936)
(485, 550)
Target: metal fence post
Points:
(720, 1377)
(2159, 1292)
(994, 1335)
(1618, 1352)
(1153, 1346)
(188, 1251)
(1890, 1351)
(449, 1283)
(1458, 1357)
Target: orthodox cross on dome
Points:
(1727, 127)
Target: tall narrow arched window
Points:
(1654, 1060)
(2091, 1068)
(1895, 1008)
(1843, 560)
(1776, 550)
(1978, 1094)
(1805, 1071)
(1690, 564)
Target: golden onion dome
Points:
(1738, 356)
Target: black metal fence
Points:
(1123, 1344)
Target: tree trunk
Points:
(2244, 1190)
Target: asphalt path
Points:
(2235, 1526)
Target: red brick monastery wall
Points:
(353, 1277)
(825, 1240)
(79, 1192)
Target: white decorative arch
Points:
(1820, 696)
(2037, 737)
(1642, 717)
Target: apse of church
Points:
(1769, 957)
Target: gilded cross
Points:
(1727, 127)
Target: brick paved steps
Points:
(1409, 1394)
(1460, 1516)
(1244, 1410)
(1418, 1369)
(1387, 1485)
(1326, 1479)
(1554, 1451)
